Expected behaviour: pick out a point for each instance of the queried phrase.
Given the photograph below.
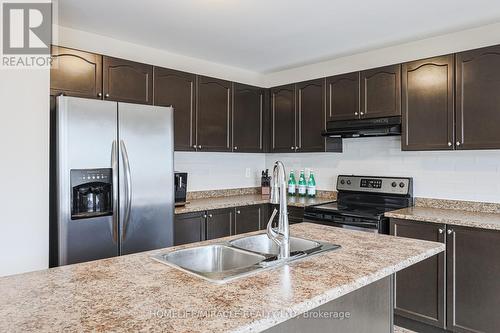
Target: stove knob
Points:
(342, 182)
(401, 184)
(348, 182)
(394, 184)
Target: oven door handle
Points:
(338, 222)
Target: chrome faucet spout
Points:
(281, 235)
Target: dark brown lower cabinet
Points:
(295, 215)
(249, 218)
(462, 284)
(220, 223)
(189, 228)
(420, 289)
(473, 267)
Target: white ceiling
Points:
(270, 35)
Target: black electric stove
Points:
(362, 202)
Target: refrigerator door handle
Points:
(114, 167)
(128, 188)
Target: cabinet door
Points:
(213, 114)
(75, 73)
(220, 223)
(311, 115)
(473, 279)
(420, 289)
(248, 113)
(381, 92)
(343, 96)
(478, 99)
(189, 228)
(283, 119)
(249, 218)
(295, 214)
(428, 104)
(178, 90)
(127, 81)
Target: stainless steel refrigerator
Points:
(114, 179)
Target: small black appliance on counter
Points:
(180, 188)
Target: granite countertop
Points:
(197, 205)
(136, 293)
(449, 216)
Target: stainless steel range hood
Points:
(363, 127)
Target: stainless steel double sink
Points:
(240, 257)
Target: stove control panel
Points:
(388, 185)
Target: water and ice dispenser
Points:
(91, 193)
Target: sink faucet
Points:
(280, 236)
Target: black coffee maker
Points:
(92, 193)
(180, 188)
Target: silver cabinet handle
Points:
(114, 170)
(107, 95)
(296, 147)
(194, 146)
(128, 188)
(199, 146)
(361, 113)
(235, 148)
(99, 94)
(450, 231)
(355, 113)
(204, 216)
(450, 144)
(292, 148)
(458, 143)
(238, 212)
(210, 215)
(440, 230)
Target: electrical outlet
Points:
(248, 173)
(307, 172)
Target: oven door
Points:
(346, 222)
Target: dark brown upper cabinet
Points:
(213, 114)
(381, 92)
(473, 283)
(343, 97)
(283, 118)
(310, 116)
(248, 117)
(428, 104)
(127, 81)
(420, 289)
(478, 99)
(75, 73)
(178, 90)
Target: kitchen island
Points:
(136, 293)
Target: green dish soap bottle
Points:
(311, 185)
(292, 184)
(302, 184)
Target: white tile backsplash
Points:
(459, 175)
(215, 171)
